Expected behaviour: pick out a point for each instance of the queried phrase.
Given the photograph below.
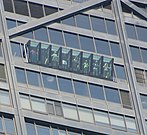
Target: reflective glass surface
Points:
(9, 126)
(41, 34)
(20, 75)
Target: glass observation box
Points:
(71, 60)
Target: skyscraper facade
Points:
(73, 67)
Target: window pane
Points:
(135, 53)
(112, 95)
(102, 46)
(98, 24)
(131, 31)
(120, 72)
(131, 124)
(41, 34)
(144, 55)
(9, 126)
(4, 97)
(50, 107)
(140, 75)
(115, 49)
(16, 49)
(142, 32)
(96, 91)
(70, 112)
(11, 23)
(21, 7)
(25, 102)
(69, 21)
(117, 121)
(71, 40)
(8, 5)
(33, 78)
(58, 109)
(101, 117)
(2, 73)
(83, 21)
(43, 130)
(50, 10)
(87, 43)
(1, 126)
(55, 131)
(111, 27)
(81, 88)
(30, 129)
(20, 75)
(86, 115)
(49, 81)
(144, 101)
(125, 97)
(54, 35)
(65, 85)
(38, 104)
(36, 13)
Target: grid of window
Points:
(7, 125)
(136, 32)
(35, 127)
(77, 41)
(25, 7)
(95, 91)
(75, 112)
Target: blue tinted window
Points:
(30, 129)
(111, 28)
(115, 49)
(69, 21)
(131, 31)
(98, 24)
(65, 85)
(83, 21)
(1, 127)
(9, 126)
(41, 34)
(135, 53)
(120, 72)
(54, 35)
(71, 40)
(87, 43)
(49, 81)
(33, 78)
(16, 49)
(96, 91)
(11, 23)
(55, 131)
(28, 35)
(43, 130)
(144, 55)
(142, 32)
(102, 46)
(144, 101)
(81, 88)
(20, 75)
(112, 95)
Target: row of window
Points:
(28, 8)
(7, 125)
(78, 113)
(43, 128)
(69, 60)
(141, 76)
(138, 54)
(136, 32)
(92, 23)
(76, 41)
(57, 83)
